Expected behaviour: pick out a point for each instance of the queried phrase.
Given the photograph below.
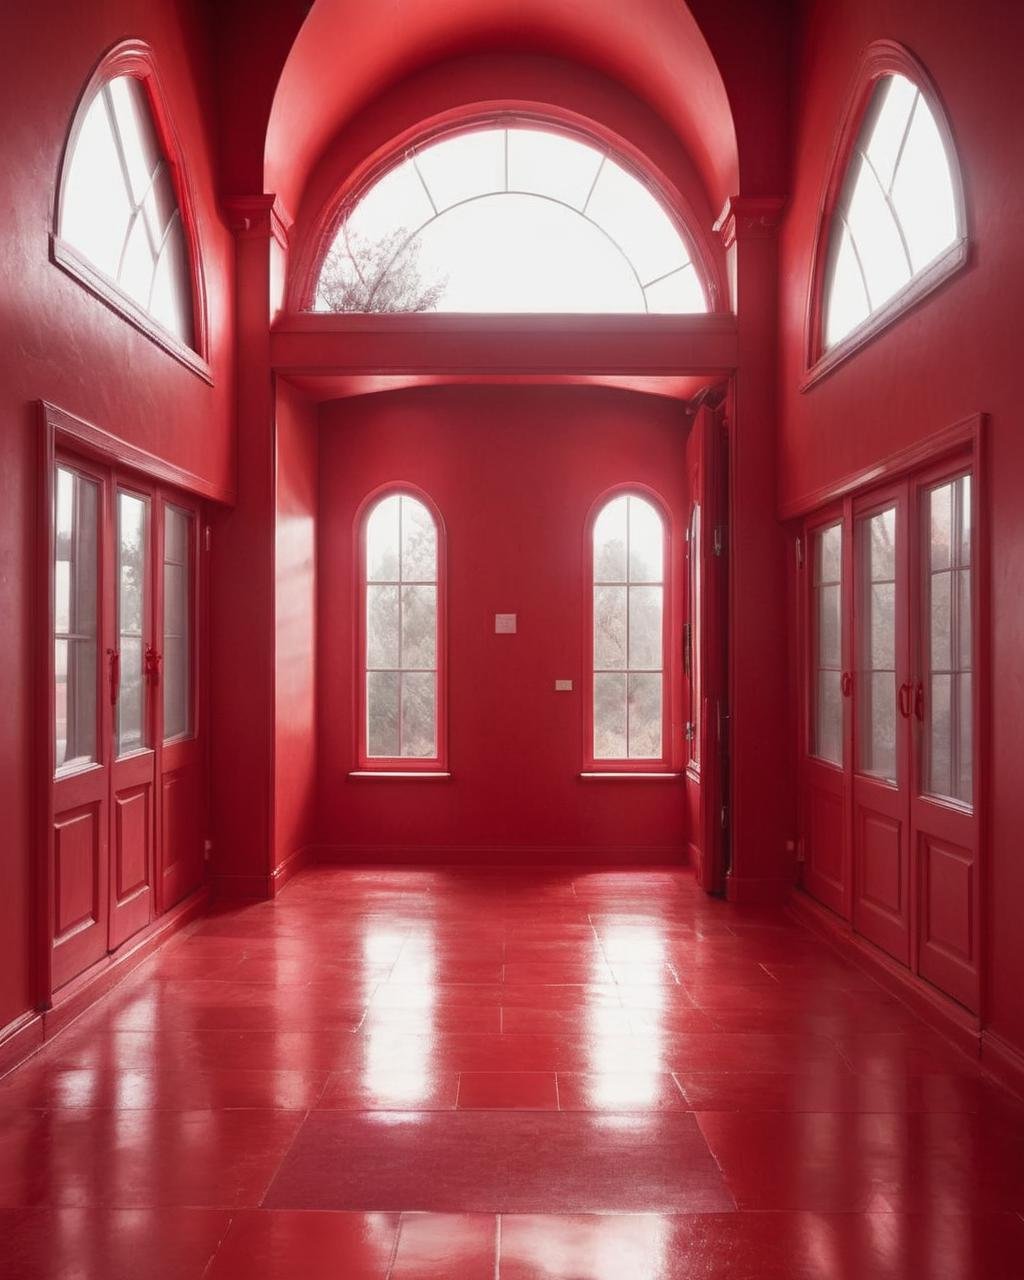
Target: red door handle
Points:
(846, 683)
(153, 660)
(115, 675)
(903, 699)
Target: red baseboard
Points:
(754, 891)
(1004, 1060)
(260, 887)
(34, 1029)
(503, 856)
(289, 867)
(940, 1012)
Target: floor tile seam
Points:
(284, 1156)
(497, 1246)
(718, 1164)
(232, 1215)
(395, 1244)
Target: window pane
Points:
(895, 101)
(829, 544)
(828, 721)
(138, 137)
(681, 293)
(610, 542)
(965, 715)
(877, 239)
(876, 685)
(923, 190)
(646, 542)
(382, 541)
(625, 209)
(609, 628)
(645, 628)
(382, 627)
(419, 715)
(170, 301)
(76, 534)
(419, 542)
(469, 164)
(940, 764)
(830, 625)
(941, 526)
(419, 627)
(95, 206)
(939, 635)
(176, 676)
(609, 717)
(382, 694)
(132, 526)
(548, 164)
(847, 300)
(644, 717)
(136, 272)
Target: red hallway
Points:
(511, 569)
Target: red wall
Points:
(514, 472)
(59, 343)
(956, 354)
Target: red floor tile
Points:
(620, 1091)
(108, 1244)
(508, 1091)
(495, 1161)
(262, 1245)
(437, 1246)
(390, 1088)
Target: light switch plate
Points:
(505, 624)
(563, 686)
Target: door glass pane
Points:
(132, 537)
(609, 716)
(948, 619)
(876, 682)
(176, 675)
(827, 717)
(76, 513)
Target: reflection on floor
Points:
(459, 1076)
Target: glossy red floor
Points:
(391, 1075)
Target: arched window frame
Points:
(669, 762)
(884, 58)
(308, 256)
(401, 765)
(135, 58)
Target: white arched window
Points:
(402, 646)
(628, 632)
(118, 210)
(899, 209)
(509, 220)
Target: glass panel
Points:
(609, 717)
(645, 627)
(550, 165)
(76, 532)
(382, 541)
(176, 677)
(610, 542)
(170, 301)
(609, 628)
(419, 716)
(637, 223)
(135, 275)
(382, 715)
(397, 202)
(828, 725)
(830, 625)
(95, 206)
(382, 627)
(159, 207)
(894, 100)
(830, 553)
(646, 542)
(876, 686)
(847, 300)
(940, 635)
(419, 627)
(923, 190)
(469, 164)
(138, 137)
(132, 525)
(965, 716)
(681, 293)
(876, 238)
(644, 716)
(941, 526)
(419, 542)
(940, 777)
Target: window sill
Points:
(424, 775)
(71, 262)
(627, 775)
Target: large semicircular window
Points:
(509, 220)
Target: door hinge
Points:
(690, 731)
(718, 542)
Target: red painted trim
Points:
(499, 857)
(883, 58)
(670, 759)
(96, 443)
(28, 1033)
(135, 58)
(291, 866)
(305, 268)
(937, 1010)
(895, 464)
(438, 763)
(1003, 1060)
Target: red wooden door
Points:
(881, 725)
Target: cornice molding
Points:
(746, 217)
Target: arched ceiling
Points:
(348, 52)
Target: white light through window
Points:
(629, 553)
(401, 630)
(509, 220)
(898, 209)
(118, 209)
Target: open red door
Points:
(707, 646)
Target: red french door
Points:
(123, 590)
(888, 784)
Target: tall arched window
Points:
(401, 650)
(119, 223)
(509, 220)
(896, 224)
(629, 680)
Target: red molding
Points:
(85, 437)
(744, 217)
(498, 857)
(883, 58)
(135, 58)
(19, 1039)
(928, 450)
(291, 866)
(1003, 1060)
